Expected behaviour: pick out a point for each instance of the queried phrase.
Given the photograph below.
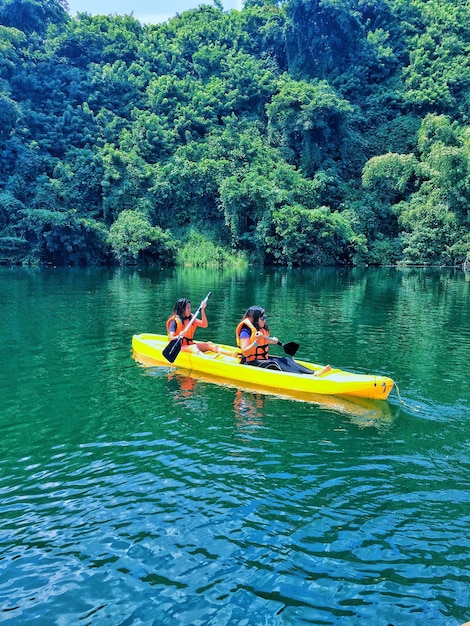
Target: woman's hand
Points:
(268, 339)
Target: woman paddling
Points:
(253, 340)
(178, 326)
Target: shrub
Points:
(133, 238)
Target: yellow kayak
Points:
(335, 382)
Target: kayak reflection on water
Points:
(248, 407)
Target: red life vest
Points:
(180, 326)
(256, 353)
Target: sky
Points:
(146, 11)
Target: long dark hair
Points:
(254, 313)
(180, 307)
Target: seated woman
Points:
(253, 340)
(178, 325)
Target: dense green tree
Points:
(125, 180)
(9, 116)
(61, 237)
(96, 39)
(351, 44)
(252, 127)
(308, 121)
(33, 15)
(317, 236)
(133, 238)
(391, 175)
(437, 77)
(430, 193)
(77, 181)
(259, 30)
(11, 39)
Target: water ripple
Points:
(126, 498)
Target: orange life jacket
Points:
(180, 326)
(256, 353)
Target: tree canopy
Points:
(291, 132)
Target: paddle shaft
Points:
(193, 318)
(290, 347)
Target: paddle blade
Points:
(291, 347)
(172, 350)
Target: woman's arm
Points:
(245, 343)
(202, 323)
(172, 330)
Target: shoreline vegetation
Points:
(286, 134)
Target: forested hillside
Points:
(295, 132)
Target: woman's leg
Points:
(289, 365)
(286, 364)
(210, 346)
(192, 347)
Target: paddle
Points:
(290, 348)
(174, 347)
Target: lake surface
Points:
(134, 495)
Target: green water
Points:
(135, 496)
